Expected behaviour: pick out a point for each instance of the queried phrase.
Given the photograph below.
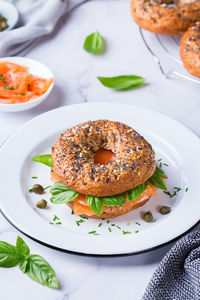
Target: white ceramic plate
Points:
(178, 147)
(36, 68)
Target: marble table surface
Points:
(75, 75)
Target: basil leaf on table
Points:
(94, 43)
(116, 200)
(157, 181)
(95, 203)
(39, 270)
(133, 194)
(44, 159)
(61, 193)
(122, 83)
(35, 266)
(21, 247)
(8, 255)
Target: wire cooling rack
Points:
(165, 51)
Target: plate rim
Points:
(82, 252)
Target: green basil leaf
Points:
(24, 265)
(94, 43)
(126, 82)
(157, 181)
(44, 159)
(116, 200)
(161, 172)
(133, 194)
(39, 270)
(95, 203)
(61, 193)
(21, 247)
(8, 255)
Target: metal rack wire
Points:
(169, 49)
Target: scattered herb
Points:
(165, 164)
(160, 159)
(167, 192)
(34, 177)
(35, 266)
(83, 217)
(44, 159)
(126, 232)
(47, 187)
(138, 223)
(177, 189)
(58, 223)
(118, 227)
(94, 43)
(55, 218)
(100, 224)
(186, 189)
(93, 232)
(122, 83)
(72, 212)
(51, 223)
(109, 229)
(108, 221)
(160, 165)
(30, 190)
(112, 224)
(136, 231)
(128, 224)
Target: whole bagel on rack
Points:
(190, 50)
(167, 17)
(74, 152)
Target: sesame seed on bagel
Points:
(167, 17)
(73, 158)
(190, 50)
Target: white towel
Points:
(38, 18)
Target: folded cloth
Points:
(178, 275)
(38, 18)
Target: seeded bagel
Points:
(73, 158)
(190, 50)
(167, 17)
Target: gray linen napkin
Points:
(178, 275)
(38, 18)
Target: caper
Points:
(38, 189)
(164, 210)
(42, 203)
(148, 217)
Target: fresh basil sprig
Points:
(95, 203)
(35, 266)
(94, 43)
(156, 179)
(122, 83)
(44, 159)
(61, 193)
(133, 194)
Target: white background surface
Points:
(75, 74)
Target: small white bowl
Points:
(10, 12)
(35, 68)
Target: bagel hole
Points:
(103, 156)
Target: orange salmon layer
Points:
(80, 206)
(18, 86)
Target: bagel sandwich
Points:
(104, 169)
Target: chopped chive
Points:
(112, 224)
(55, 218)
(103, 219)
(166, 165)
(72, 212)
(138, 223)
(83, 217)
(50, 223)
(22, 94)
(34, 177)
(167, 192)
(77, 223)
(118, 227)
(92, 232)
(172, 195)
(126, 232)
(47, 187)
(58, 223)
(177, 189)
(160, 165)
(109, 229)
(136, 231)
(160, 159)
(100, 224)
(186, 189)
(108, 221)
(30, 191)
(128, 224)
